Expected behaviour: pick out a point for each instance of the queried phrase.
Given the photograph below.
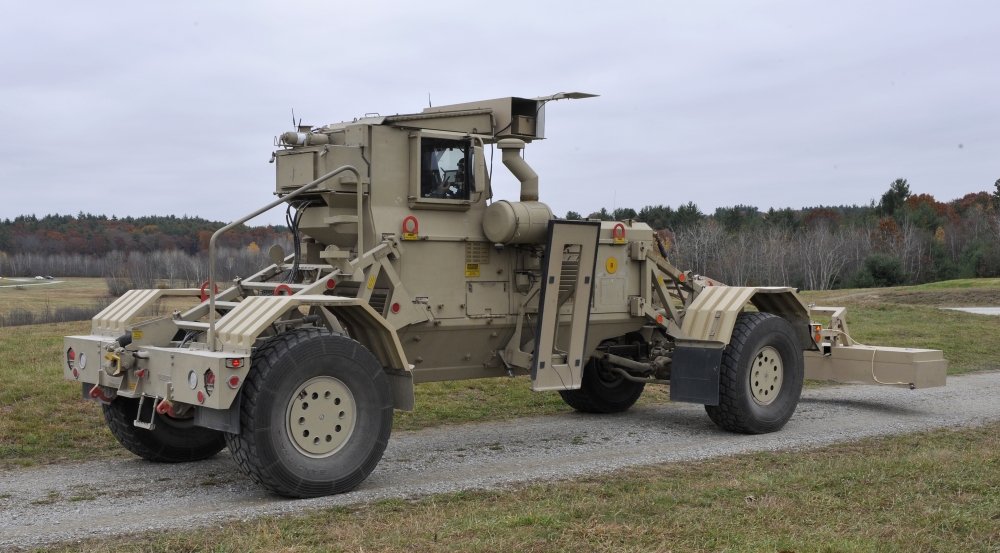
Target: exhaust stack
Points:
(511, 148)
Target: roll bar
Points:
(268, 207)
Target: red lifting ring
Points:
(204, 295)
(416, 225)
(283, 290)
(615, 234)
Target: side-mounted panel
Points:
(568, 272)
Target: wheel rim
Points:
(766, 375)
(321, 416)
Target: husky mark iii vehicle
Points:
(405, 271)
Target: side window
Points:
(443, 169)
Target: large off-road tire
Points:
(602, 391)
(315, 416)
(170, 440)
(761, 375)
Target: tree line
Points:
(904, 238)
(98, 235)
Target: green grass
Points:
(42, 417)
(959, 283)
(938, 491)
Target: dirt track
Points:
(70, 501)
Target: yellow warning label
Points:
(611, 265)
(620, 240)
(131, 386)
(410, 236)
(371, 282)
(472, 269)
(659, 279)
(136, 334)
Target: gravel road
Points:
(72, 501)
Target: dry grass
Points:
(68, 292)
(76, 292)
(938, 491)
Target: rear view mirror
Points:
(480, 177)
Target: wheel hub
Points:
(766, 375)
(321, 416)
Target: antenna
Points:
(429, 100)
(293, 120)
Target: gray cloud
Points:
(134, 109)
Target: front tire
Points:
(170, 440)
(761, 376)
(315, 417)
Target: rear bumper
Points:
(164, 374)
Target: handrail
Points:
(272, 205)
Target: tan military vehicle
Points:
(407, 269)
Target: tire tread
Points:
(728, 414)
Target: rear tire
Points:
(170, 440)
(761, 376)
(602, 391)
(315, 417)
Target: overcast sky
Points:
(138, 108)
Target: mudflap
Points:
(694, 375)
(225, 420)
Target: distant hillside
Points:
(97, 234)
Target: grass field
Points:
(938, 491)
(43, 419)
(67, 292)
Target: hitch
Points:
(98, 393)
